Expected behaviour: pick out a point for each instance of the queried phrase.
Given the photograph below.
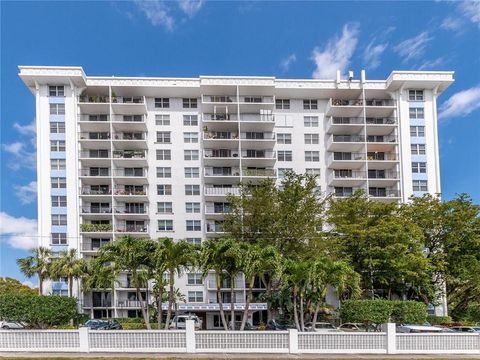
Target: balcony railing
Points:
(258, 154)
(258, 136)
(130, 210)
(360, 121)
(381, 139)
(128, 99)
(94, 154)
(359, 102)
(104, 135)
(129, 192)
(89, 191)
(244, 117)
(347, 156)
(220, 135)
(104, 99)
(259, 172)
(219, 98)
(381, 121)
(382, 174)
(89, 245)
(87, 302)
(238, 284)
(214, 153)
(131, 303)
(212, 209)
(221, 191)
(130, 172)
(129, 154)
(382, 156)
(95, 118)
(214, 228)
(85, 209)
(132, 228)
(383, 193)
(129, 118)
(347, 120)
(223, 171)
(94, 172)
(348, 138)
(348, 174)
(129, 136)
(96, 227)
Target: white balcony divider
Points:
(279, 342)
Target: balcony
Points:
(123, 283)
(88, 209)
(101, 118)
(131, 304)
(139, 211)
(382, 160)
(216, 211)
(129, 105)
(97, 303)
(256, 173)
(225, 285)
(139, 228)
(384, 194)
(94, 172)
(214, 228)
(96, 228)
(258, 140)
(93, 245)
(128, 123)
(99, 191)
(129, 154)
(382, 177)
(130, 172)
(346, 143)
(354, 107)
(347, 178)
(92, 104)
(94, 139)
(346, 160)
(131, 193)
(220, 192)
(258, 157)
(381, 143)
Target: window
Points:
(57, 109)
(163, 103)
(190, 137)
(164, 172)
(192, 189)
(58, 182)
(343, 191)
(57, 164)
(416, 113)
(282, 104)
(133, 118)
(415, 95)
(310, 104)
(189, 103)
(163, 137)
(417, 149)
(192, 172)
(59, 201)
(190, 154)
(284, 155)
(192, 207)
(57, 145)
(193, 225)
(195, 296)
(56, 90)
(312, 156)
(163, 154)
(59, 239)
(57, 128)
(164, 189)
(194, 279)
(165, 225)
(419, 167)
(59, 219)
(312, 138)
(420, 185)
(194, 241)
(282, 171)
(190, 120)
(310, 121)
(162, 119)
(313, 171)
(164, 207)
(284, 138)
(417, 131)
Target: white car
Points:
(418, 329)
(11, 325)
(469, 329)
(179, 322)
(321, 327)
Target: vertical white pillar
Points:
(391, 338)
(83, 339)
(190, 336)
(293, 341)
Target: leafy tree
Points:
(68, 265)
(132, 255)
(37, 264)
(10, 285)
(159, 262)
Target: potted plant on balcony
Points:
(114, 97)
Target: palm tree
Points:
(131, 255)
(68, 265)
(38, 263)
(212, 258)
(232, 266)
(255, 262)
(159, 267)
(297, 279)
(98, 276)
(176, 256)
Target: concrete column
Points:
(190, 336)
(83, 339)
(293, 341)
(391, 338)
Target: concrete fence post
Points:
(391, 338)
(84, 341)
(293, 341)
(190, 336)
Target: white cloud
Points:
(451, 23)
(21, 157)
(18, 232)
(471, 10)
(372, 54)
(461, 103)
(29, 129)
(190, 7)
(431, 64)
(29, 284)
(26, 193)
(286, 62)
(157, 13)
(413, 47)
(336, 54)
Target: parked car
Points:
(357, 327)
(98, 324)
(320, 327)
(11, 325)
(279, 325)
(469, 329)
(179, 322)
(419, 329)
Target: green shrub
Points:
(96, 227)
(38, 311)
(439, 320)
(409, 312)
(133, 326)
(473, 313)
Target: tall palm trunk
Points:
(70, 286)
(220, 302)
(40, 284)
(268, 292)
(302, 316)
(247, 304)
(295, 313)
(232, 302)
(171, 282)
(159, 306)
(315, 314)
(142, 307)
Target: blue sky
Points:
(191, 38)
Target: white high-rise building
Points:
(156, 157)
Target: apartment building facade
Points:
(156, 157)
